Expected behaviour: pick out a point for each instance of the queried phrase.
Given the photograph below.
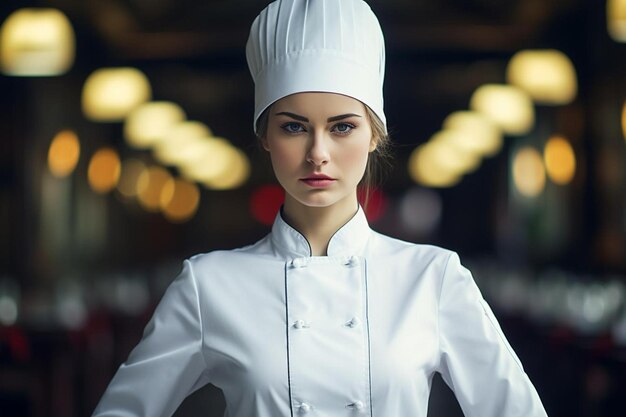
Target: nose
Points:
(318, 153)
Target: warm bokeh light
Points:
(208, 159)
(104, 170)
(560, 160)
(64, 153)
(548, 75)
(151, 122)
(425, 168)
(36, 42)
(616, 19)
(445, 147)
(150, 187)
(179, 200)
(265, 202)
(624, 120)
(178, 145)
(110, 94)
(235, 175)
(131, 171)
(476, 133)
(529, 175)
(509, 107)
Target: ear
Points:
(265, 143)
(373, 144)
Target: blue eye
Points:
(343, 128)
(292, 127)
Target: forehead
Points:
(319, 103)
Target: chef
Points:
(323, 316)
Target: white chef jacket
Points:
(359, 332)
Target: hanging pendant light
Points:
(36, 42)
(110, 94)
(547, 75)
(509, 107)
(616, 19)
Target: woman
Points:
(323, 316)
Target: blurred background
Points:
(126, 146)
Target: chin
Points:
(320, 199)
(316, 202)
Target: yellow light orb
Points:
(235, 175)
(150, 123)
(36, 42)
(179, 200)
(110, 94)
(64, 153)
(616, 19)
(177, 147)
(425, 169)
(529, 175)
(444, 148)
(507, 106)
(150, 188)
(104, 170)
(477, 134)
(131, 171)
(211, 159)
(548, 75)
(560, 160)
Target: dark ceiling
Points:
(436, 50)
(168, 29)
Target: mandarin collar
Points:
(349, 240)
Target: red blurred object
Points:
(265, 203)
(267, 199)
(17, 342)
(376, 205)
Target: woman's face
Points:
(319, 145)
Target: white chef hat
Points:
(332, 46)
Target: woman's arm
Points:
(477, 362)
(168, 364)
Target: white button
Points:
(357, 405)
(353, 322)
(305, 408)
(298, 263)
(300, 324)
(352, 261)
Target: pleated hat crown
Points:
(334, 46)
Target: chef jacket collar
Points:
(349, 240)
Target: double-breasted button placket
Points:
(335, 352)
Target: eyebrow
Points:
(304, 119)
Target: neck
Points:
(319, 224)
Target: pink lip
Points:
(318, 177)
(318, 181)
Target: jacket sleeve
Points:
(167, 364)
(476, 360)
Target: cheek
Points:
(284, 157)
(356, 156)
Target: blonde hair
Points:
(373, 170)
